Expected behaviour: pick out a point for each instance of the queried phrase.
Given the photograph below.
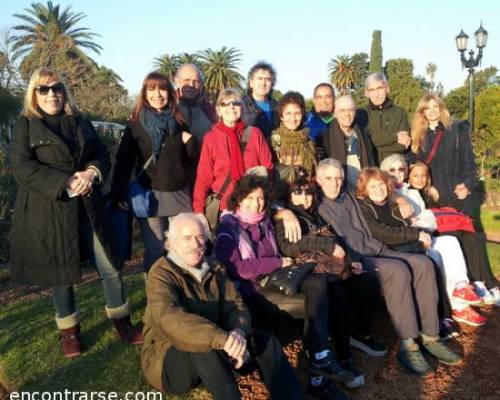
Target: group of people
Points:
(244, 188)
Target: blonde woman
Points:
(445, 146)
(59, 163)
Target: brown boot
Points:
(69, 329)
(124, 328)
(128, 332)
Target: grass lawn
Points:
(490, 220)
(30, 352)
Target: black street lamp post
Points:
(481, 36)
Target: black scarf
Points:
(157, 125)
(64, 126)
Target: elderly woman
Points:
(444, 145)
(59, 163)
(156, 145)
(246, 244)
(348, 287)
(228, 150)
(485, 283)
(444, 250)
(292, 146)
(189, 340)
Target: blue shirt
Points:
(315, 124)
(266, 107)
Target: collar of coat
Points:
(386, 104)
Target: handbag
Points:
(326, 264)
(121, 228)
(287, 280)
(141, 200)
(449, 219)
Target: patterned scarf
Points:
(157, 125)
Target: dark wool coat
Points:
(333, 143)
(170, 171)
(255, 116)
(45, 246)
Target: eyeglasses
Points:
(234, 103)
(400, 169)
(44, 90)
(300, 192)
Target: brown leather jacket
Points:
(190, 315)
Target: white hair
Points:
(193, 66)
(344, 97)
(330, 162)
(177, 222)
(391, 160)
(377, 77)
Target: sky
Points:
(298, 37)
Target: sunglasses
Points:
(300, 192)
(400, 169)
(234, 103)
(44, 90)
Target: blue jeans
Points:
(64, 296)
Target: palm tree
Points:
(166, 64)
(47, 27)
(188, 58)
(343, 73)
(219, 68)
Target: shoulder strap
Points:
(146, 164)
(435, 146)
(224, 186)
(245, 138)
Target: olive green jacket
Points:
(190, 315)
(382, 124)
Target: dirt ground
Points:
(477, 377)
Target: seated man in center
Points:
(197, 328)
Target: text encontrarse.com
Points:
(75, 395)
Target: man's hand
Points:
(292, 226)
(236, 347)
(404, 139)
(286, 262)
(425, 238)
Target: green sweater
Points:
(383, 123)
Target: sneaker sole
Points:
(469, 302)
(364, 348)
(467, 322)
(446, 362)
(356, 382)
(336, 378)
(412, 371)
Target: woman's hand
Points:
(461, 191)
(80, 183)
(425, 238)
(356, 268)
(405, 207)
(338, 252)
(286, 262)
(122, 205)
(434, 193)
(293, 232)
(186, 136)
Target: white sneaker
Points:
(495, 292)
(487, 296)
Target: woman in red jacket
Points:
(228, 150)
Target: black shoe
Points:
(359, 378)
(330, 367)
(448, 329)
(327, 390)
(368, 345)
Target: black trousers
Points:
(478, 265)
(182, 371)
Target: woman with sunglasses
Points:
(228, 150)
(60, 217)
(156, 131)
(292, 146)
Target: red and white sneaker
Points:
(468, 316)
(467, 295)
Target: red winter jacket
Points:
(214, 164)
